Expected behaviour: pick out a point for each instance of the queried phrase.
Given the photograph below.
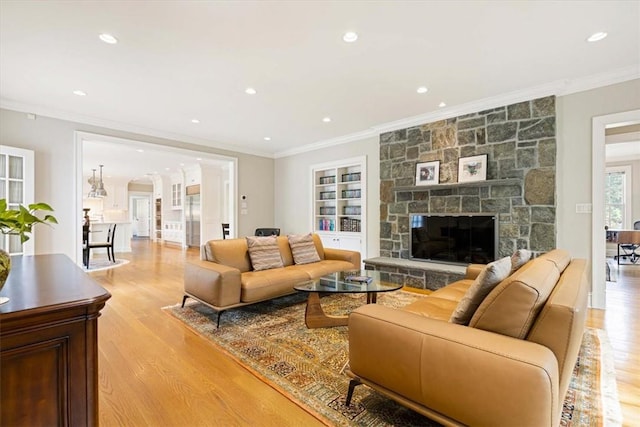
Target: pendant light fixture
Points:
(97, 187)
(92, 193)
(101, 192)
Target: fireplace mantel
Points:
(508, 181)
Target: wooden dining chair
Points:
(111, 233)
(225, 230)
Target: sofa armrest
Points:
(213, 283)
(473, 270)
(472, 376)
(344, 255)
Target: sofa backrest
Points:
(512, 307)
(561, 322)
(235, 252)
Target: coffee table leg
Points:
(315, 316)
(372, 297)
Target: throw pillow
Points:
(264, 252)
(303, 248)
(519, 258)
(494, 273)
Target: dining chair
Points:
(108, 245)
(225, 230)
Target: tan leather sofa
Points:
(510, 366)
(224, 278)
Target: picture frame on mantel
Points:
(472, 169)
(428, 173)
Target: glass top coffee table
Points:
(344, 282)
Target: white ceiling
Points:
(176, 61)
(135, 161)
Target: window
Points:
(16, 185)
(617, 198)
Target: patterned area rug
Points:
(271, 340)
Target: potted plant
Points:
(20, 222)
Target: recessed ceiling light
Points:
(350, 37)
(140, 150)
(326, 119)
(442, 104)
(167, 169)
(250, 91)
(181, 164)
(79, 93)
(597, 36)
(199, 158)
(195, 121)
(422, 89)
(108, 38)
(267, 138)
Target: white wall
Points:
(293, 188)
(53, 143)
(575, 113)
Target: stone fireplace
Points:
(520, 143)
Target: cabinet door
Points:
(350, 243)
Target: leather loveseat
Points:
(224, 278)
(511, 365)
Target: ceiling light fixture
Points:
(199, 158)
(196, 121)
(326, 119)
(595, 37)
(350, 37)
(422, 89)
(108, 38)
(250, 91)
(97, 187)
(267, 138)
(79, 93)
(442, 104)
(140, 150)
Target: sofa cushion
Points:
(559, 257)
(230, 252)
(512, 307)
(264, 252)
(318, 269)
(265, 284)
(454, 291)
(519, 258)
(494, 273)
(303, 248)
(432, 307)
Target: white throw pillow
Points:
(494, 273)
(519, 258)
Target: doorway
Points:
(155, 170)
(600, 125)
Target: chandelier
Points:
(97, 187)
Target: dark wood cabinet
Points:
(48, 343)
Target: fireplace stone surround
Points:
(520, 142)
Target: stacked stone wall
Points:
(520, 143)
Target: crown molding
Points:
(356, 136)
(125, 127)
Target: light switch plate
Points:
(583, 208)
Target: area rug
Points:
(271, 340)
(100, 264)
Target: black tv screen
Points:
(454, 238)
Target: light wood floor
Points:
(154, 371)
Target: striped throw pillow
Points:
(264, 252)
(303, 248)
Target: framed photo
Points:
(428, 173)
(472, 168)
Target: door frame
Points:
(599, 125)
(135, 195)
(80, 137)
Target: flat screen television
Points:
(454, 238)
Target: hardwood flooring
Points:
(154, 371)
